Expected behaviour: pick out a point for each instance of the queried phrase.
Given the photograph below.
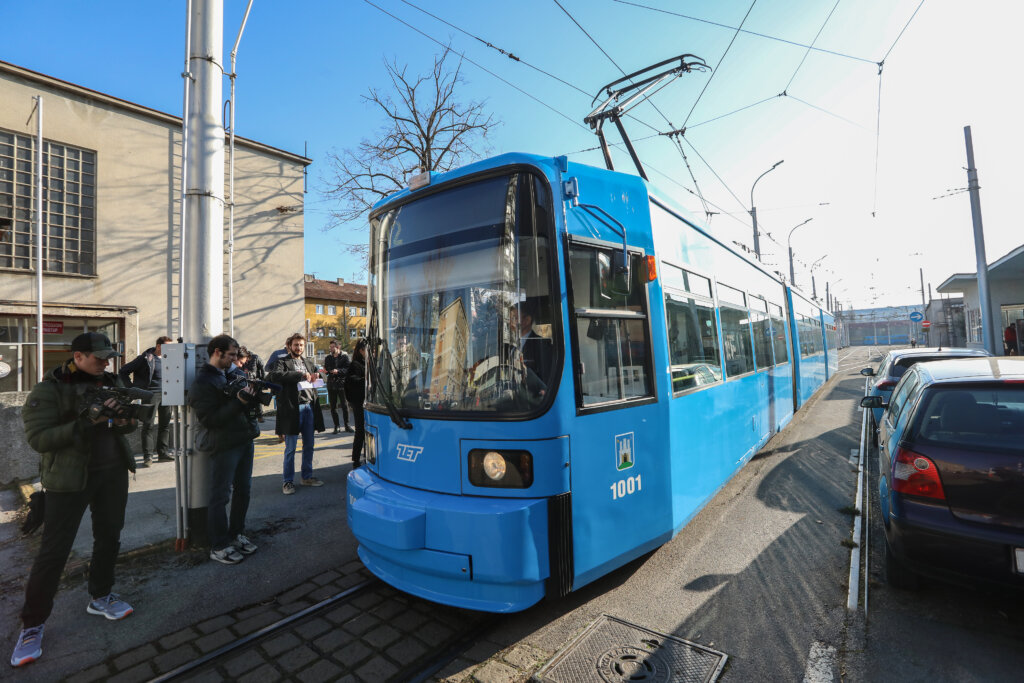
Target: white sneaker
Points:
(244, 545)
(226, 555)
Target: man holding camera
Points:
(86, 459)
(227, 415)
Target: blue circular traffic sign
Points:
(917, 316)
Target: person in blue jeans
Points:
(298, 410)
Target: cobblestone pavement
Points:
(380, 634)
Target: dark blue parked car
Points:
(897, 362)
(951, 471)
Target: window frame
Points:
(721, 329)
(582, 313)
(80, 216)
(670, 291)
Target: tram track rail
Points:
(270, 629)
(422, 669)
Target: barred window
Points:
(69, 206)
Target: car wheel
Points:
(897, 574)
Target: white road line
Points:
(854, 584)
(821, 664)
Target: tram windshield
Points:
(460, 303)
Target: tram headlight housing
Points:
(503, 469)
(370, 448)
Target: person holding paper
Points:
(298, 410)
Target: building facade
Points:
(111, 215)
(1006, 296)
(335, 310)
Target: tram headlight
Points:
(494, 465)
(500, 469)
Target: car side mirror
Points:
(867, 372)
(873, 402)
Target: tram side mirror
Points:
(620, 273)
(613, 273)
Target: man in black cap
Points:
(85, 464)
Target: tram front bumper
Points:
(487, 554)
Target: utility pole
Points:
(987, 331)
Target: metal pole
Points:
(187, 79)
(987, 331)
(753, 210)
(231, 182)
(204, 212)
(40, 238)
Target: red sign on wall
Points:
(53, 327)
(926, 324)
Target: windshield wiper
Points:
(373, 348)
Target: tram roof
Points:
(550, 166)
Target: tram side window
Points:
(810, 336)
(611, 332)
(779, 334)
(692, 342)
(739, 354)
(762, 332)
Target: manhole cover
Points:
(616, 651)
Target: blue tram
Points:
(564, 370)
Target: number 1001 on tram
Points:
(563, 369)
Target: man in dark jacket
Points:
(145, 373)
(336, 365)
(298, 410)
(85, 464)
(228, 422)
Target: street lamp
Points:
(789, 245)
(753, 209)
(814, 287)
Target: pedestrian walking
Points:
(85, 461)
(228, 417)
(336, 365)
(145, 372)
(355, 392)
(298, 410)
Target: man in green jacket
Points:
(85, 463)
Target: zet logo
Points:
(624, 451)
(409, 453)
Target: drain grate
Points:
(616, 651)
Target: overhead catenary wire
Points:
(718, 66)
(809, 47)
(479, 66)
(753, 33)
(616, 64)
(878, 119)
(500, 50)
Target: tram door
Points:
(621, 503)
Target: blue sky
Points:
(304, 66)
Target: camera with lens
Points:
(94, 398)
(262, 391)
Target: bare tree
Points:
(427, 129)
